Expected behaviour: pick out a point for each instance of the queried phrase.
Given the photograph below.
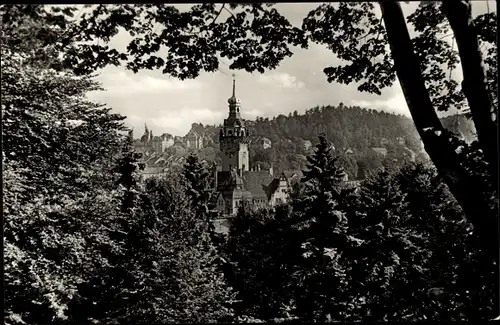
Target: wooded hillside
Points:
(354, 128)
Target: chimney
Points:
(271, 172)
(258, 167)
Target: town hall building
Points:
(236, 181)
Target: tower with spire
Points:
(235, 182)
(233, 138)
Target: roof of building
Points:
(273, 185)
(153, 170)
(192, 133)
(257, 183)
(167, 136)
(382, 151)
(276, 182)
(241, 194)
(233, 100)
(228, 180)
(159, 160)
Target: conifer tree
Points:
(263, 250)
(413, 263)
(197, 177)
(185, 278)
(127, 168)
(322, 229)
(109, 293)
(376, 222)
(454, 285)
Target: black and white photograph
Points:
(286, 162)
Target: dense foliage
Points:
(85, 239)
(88, 240)
(404, 260)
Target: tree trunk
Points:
(435, 138)
(484, 115)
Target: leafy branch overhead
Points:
(253, 37)
(355, 34)
(181, 44)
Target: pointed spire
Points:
(232, 100)
(234, 85)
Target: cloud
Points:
(283, 80)
(394, 104)
(170, 105)
(124, 82)
(176, 122)
(251, 113)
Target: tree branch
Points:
(218, 14)
(435, 138)
(211, 23)
(364, 36)
(474, 84)
(230, 12)
(444, 36)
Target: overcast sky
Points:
(169, 105)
